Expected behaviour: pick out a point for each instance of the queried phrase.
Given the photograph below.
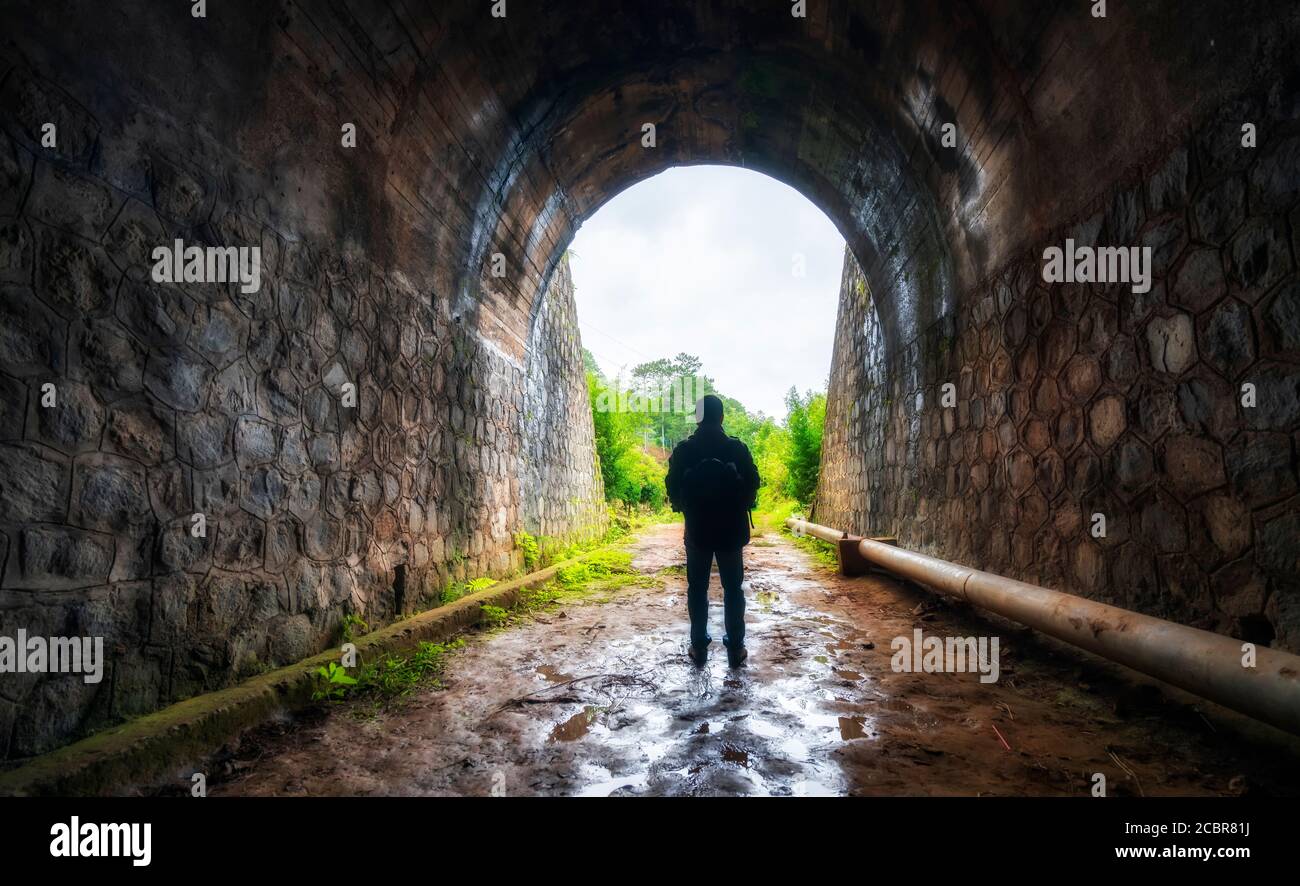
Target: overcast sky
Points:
(701, 259)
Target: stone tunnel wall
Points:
(1076, 399)
(565, 497)
(176, 399)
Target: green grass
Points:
(599, 564)
(396, 676)
(597, 574)
(823, 552)
(595, 578)
(542, 551)
(772, 513)
(494, 616)
(390, 679)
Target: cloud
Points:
(701, 259)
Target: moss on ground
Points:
(593, 577)
(823, 553)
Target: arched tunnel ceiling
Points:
(481, 135)
(846, 105)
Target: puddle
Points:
(576, 726)
(852, 727)
(820, 619)
(732, 754)
(551, 675)
(605, 785)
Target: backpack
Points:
(713, 485)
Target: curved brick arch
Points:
(748, 89)
(847, 106)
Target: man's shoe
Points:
(699, 654)
(737, 656)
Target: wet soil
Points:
(599, 698)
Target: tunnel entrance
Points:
(721, 263)
(704, 280)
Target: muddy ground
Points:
(599, 698)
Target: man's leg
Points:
(699, 562)
(731, 569)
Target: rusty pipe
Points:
(1202, 662)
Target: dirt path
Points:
(599, 698)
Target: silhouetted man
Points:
(713, 482)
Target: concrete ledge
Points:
(852, 563)
(154, 746)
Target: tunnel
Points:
(210, 475)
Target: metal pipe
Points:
(1204, 663)
(825, 533)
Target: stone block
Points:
(73, 276)
(60, 558)
(34, 484)
(32, 337)
(1171, 343)
(109, 493)
(72, 424)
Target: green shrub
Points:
(332, 682)
(396, 675)
(531, 549)
(456, 590)
(573, 575)
(787, 454)
(805, 423)
(353, 625)
(605, 562)
(494, 616)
